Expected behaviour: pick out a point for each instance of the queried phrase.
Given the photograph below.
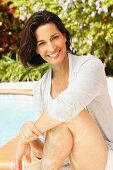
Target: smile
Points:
(54, 55)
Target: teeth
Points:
(53, 55)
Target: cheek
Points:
(40, 51)
(62, 44)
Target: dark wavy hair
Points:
(28, 43)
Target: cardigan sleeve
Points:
(38, 99)
(82, 90)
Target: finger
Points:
(18, 164)
(24, 134)
(29, 131)
(28, 158)
(36, 131)
(33, 137)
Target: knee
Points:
(61, 136)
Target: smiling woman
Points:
(72, 101)
(51, 43)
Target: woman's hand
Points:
(29, 132)
(23, 148)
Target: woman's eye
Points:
(40, 44)
(55, 37)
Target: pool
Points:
(14, 111)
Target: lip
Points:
(55, 55)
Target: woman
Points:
(71, 99)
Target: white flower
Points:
(91, 26)
(65, 14)
(22, 8)
(65, 7)
(90, 3)
(105, 9)
(97, 7)
(22, 17)
(97, 3)
(89, 41)
(85, 10)
(61, 3)
(112, 14)
(9, 32)
(93, 14)
(74, 40)
(35, 7)
(42, 8)
(83, 1)
(99, 10)
(109, 58)
(60, 15)
(32, 1)
(80, 26)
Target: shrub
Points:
(90, 23)
(12, 71)
(10, 28)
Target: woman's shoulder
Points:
(89, 60)
(41, 83)
(84, 58)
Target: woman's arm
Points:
(46, 122)
(82, 90)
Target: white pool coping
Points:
(18, 85)
(30, 85)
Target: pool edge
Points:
(17, 91)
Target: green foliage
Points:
(10, 28)
(90, 23)
(13, 71)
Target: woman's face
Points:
(51, 43)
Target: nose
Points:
(51, 47)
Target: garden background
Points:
(90, 23)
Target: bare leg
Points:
(57, 147)
(37, 148)
(89, 150)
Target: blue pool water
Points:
(14, 111)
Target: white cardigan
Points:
(87, 88)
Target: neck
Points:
(62, 70)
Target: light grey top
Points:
(87, 88)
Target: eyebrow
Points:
(50, 37)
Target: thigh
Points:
(89, 150)
(57, 147)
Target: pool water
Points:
(15, 110)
